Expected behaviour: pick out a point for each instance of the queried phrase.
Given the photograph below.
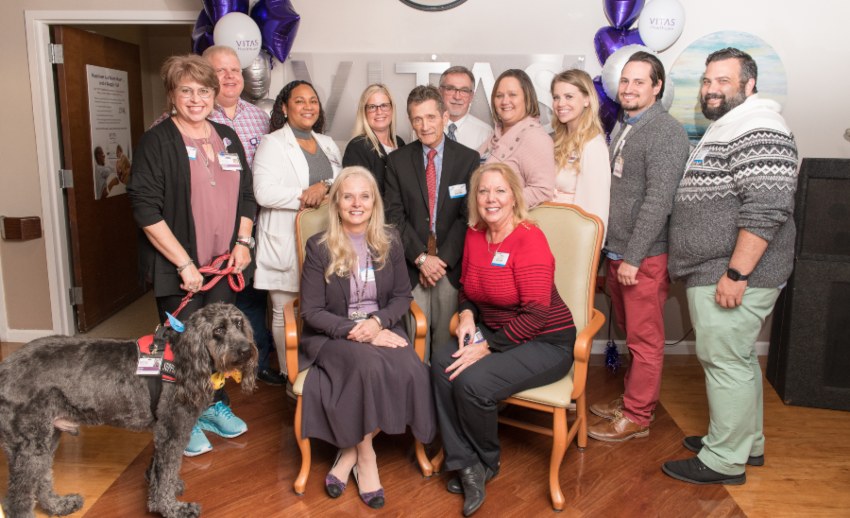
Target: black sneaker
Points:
(270, 377)
(694, 471)
(694, 443)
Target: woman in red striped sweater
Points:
(514, 332)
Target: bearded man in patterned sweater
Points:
(732, 242)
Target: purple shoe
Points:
(333, 485)
(374, 499)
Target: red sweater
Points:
(519, 301)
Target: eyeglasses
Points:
(187, 93)
(451, 90)
(372, 108)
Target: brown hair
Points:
(531, 107)
(187, 66)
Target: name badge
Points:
(192, 152)
(457, 191)
(700, 157)
(149, 365)
(367, 275)
(618, 167)
(229, 161)
(500, 259)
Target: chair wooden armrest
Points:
(290, 330)
(581, 351)
(420, 329)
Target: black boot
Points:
(472, 480)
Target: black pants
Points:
(221, 292)
(466, 406)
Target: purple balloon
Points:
(609, 39)
(215, 9)
(278, 23)
(202, 34)
(622, 13)
(608, 108)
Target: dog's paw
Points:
(184, 510)
(63, 505)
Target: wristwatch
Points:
(247, 241)
(328, 183)
(377, 319)
(421, 259)
(735, 275)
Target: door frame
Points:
(48, 137)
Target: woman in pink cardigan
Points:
(519, 140)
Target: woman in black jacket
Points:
(374, 133)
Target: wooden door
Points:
(103, 235)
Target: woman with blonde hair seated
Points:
(581, 154)
(365, 376)
(514, 330)
(374, 133)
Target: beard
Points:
(726, 104)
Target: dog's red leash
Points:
(234, 278)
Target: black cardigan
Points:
(160, 190)
(359, 151)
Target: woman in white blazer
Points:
(294, 167)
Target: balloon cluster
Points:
(272, 26)
(659, 26)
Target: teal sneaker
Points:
(198, 443)
(219, 419)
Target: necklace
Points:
(203, 143)
(489, 241)
(360, 289)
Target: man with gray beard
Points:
(732, 242)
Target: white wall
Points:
(808, 36)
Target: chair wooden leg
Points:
(559, 447)
(581, 421)
(422, 459)
(304, 445)
(437, 461)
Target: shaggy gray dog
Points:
(57, 383)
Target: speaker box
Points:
(809, 357)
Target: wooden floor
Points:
(807, 471)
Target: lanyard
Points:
(618, 148)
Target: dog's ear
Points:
(192, 360)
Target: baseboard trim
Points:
(684, 347)
(26, 335)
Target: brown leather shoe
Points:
(608, 410)
(619, 430)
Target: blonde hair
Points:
(568, 144)
(361, 125)
(343, 258)
(520, 209)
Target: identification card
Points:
(367, 274)
(500, 259)
(457, 191)
(149, 365)
(700, 156)
(618, 167)
(192, 152)
(229, 161)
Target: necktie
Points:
(431, 182)
(452, 129)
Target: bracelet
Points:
(421, 259)
(377, 319)
(183, 267)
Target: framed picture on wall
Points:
(433, 5)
